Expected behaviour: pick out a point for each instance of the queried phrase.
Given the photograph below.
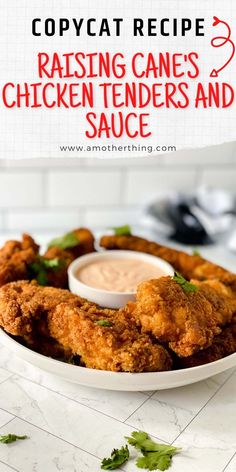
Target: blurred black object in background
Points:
(197, 219)
(187, 227)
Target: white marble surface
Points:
(71, 427)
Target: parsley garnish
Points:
(138, 439)
(67, 241)
(196, 253)
(154, 461)
(42, 278)
(9, 438)
(154, 456)
(118, 457)
(122, 230)
(40, 267)
(52, 263)
(104, 323)
(186, 286)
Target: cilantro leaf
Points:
(154, 461)
(104, 323)
(196, 252)
(39, 268)
(122, 230)
(39, 272)
(9, 438)
(155, 455)
(118, 457)
(140, 440)
(67, 241)
(55, 263)
(137, 439)
(42, 278)
(186, 286)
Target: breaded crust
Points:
(29, 311)
(223, 345)
(190, 266)
(187, 321)
(15, 257)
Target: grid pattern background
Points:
(28, 133)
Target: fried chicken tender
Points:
(190, 266)
(28, 310)
(58, 278)
(223, 345)
(221, 297)
(186, 321)
(114, 345)
(21, 260)
(24, 307)
(85, 244)
(15, 257)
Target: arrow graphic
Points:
(220, 41)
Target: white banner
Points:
(112, 78)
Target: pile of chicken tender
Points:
(175, 322)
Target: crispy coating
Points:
(28, 310)
(118, 347)
(58, 278)
(85, 245)
(24, 307)
(223, 345)
(15, 257)
(207, 271)
(86, 242)
(221, 297)
(59, 324)
(186, 321)
(190, 266)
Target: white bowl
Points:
(107, 298)
(118, 380)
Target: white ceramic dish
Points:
(118, 380)
(106, 298)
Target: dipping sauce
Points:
(117, 275)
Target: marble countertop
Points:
(71, 428)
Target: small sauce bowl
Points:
(105, 298)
